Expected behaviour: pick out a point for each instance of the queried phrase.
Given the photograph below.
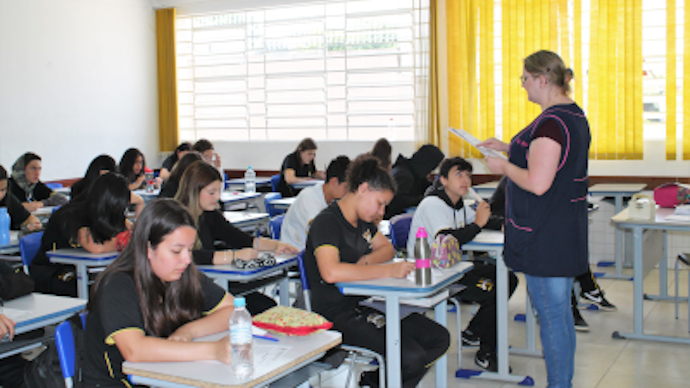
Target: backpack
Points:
(44, 371)
(672, 194)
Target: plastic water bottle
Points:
(422, 256)
(250, 181)
(4, 226)
(241, 341)
(150, 185)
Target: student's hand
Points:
(400, 269)
(33, 224)
(494, 144)
(182, 334)
(496, 165)
(157, 182)
(129, 224)
(319, 175)
(286, 248)
(6, 326)
(246, 254)
(483, 214)
(216, 160)
(223, 350)
(32, 206)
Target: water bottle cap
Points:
(421, 233)
(240, 302)
(250, 167)
(147, 170)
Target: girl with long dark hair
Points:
(200, 190)
(132, 166)
(170, 162)
(298, 167)
(151, 302)
(170, 186)
(344, 245)
(91, 221)
(102, 164)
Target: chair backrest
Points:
(275, 180)
(65, 346)
(270, 209)
(54, 185)
(28, 247)
(306, 292)
(275, 226)
(400, 229)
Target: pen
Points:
(267, 338)
(474, 194)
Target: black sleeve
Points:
(168, 163)
(550, 128)
(42, 192)
(214, 227)
(213, 293)
(289, 162)
(404, 196)
(463, 235)
(325, 231)
(17, 212)
(118, 306)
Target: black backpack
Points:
(44, 371)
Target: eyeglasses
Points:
(523, 78)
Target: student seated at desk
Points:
(205, 148)
(19, 217)
(298, 167)
(200, 190)
(411, 178)
(170, 186)
(26, 185)
(12, 367)
(442, 212)
(311, 201)
(151, 302)
(170, 162)
(92, 222)
(132, 166)
(345, 245)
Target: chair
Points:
(270, 209)
(352, 350)
(682, 258)
(275, 180)
(400, 230)
(275, 226)
(54, 185)
(28, 247)
(64, 342)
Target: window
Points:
(342, 70)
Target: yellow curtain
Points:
(670, 79)
(686, 83)
(434, 131)
(529, 26)
(168, 136)
(471, 95)
(614, 106)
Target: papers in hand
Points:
(466, 136)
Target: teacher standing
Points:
(546, 207)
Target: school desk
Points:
(237, 184)
(82, 260)
(13, 246)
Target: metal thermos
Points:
(422, 256)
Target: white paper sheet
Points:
(466, 136)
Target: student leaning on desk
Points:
(170, 162)
(344, 245)
(91, 221)
(298, 167)
(151, 302)
(20, 218)
(200, 190)
(26, 185)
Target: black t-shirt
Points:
(213, 228)
(16, 211)
(301, 170)
(169, 162)
(169, 189)
(122, 311)
(330, 228)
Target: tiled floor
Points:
(601, 361)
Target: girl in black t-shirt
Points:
(102, 164)
(170, 186)
(345, 245)
(298, 167)
(200, 191)
(151, 302)
(19, 217)
(170, 162)
(132, 166)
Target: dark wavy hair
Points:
(183, 164)
(101, 209)
(100, 163)
(448, 164)
(382, 151)
(127, 163)
(186, 146)
(165, 306)
(197, 176)
(367, 169)
(202, 145)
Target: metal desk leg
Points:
(663, 276)
(530, 348)
(285, 291)
(638, 315)
(440, 315)
(618, 254)
(393, 348)
(82, 281)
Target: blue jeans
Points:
(551, 299)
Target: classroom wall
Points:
(77, 78)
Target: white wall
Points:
(77, 78)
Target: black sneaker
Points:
(369, 379)
(580, 323)
(597, 297)
(469, 339)
(488, 360)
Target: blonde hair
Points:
(551, 66)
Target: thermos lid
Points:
(421, 233)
